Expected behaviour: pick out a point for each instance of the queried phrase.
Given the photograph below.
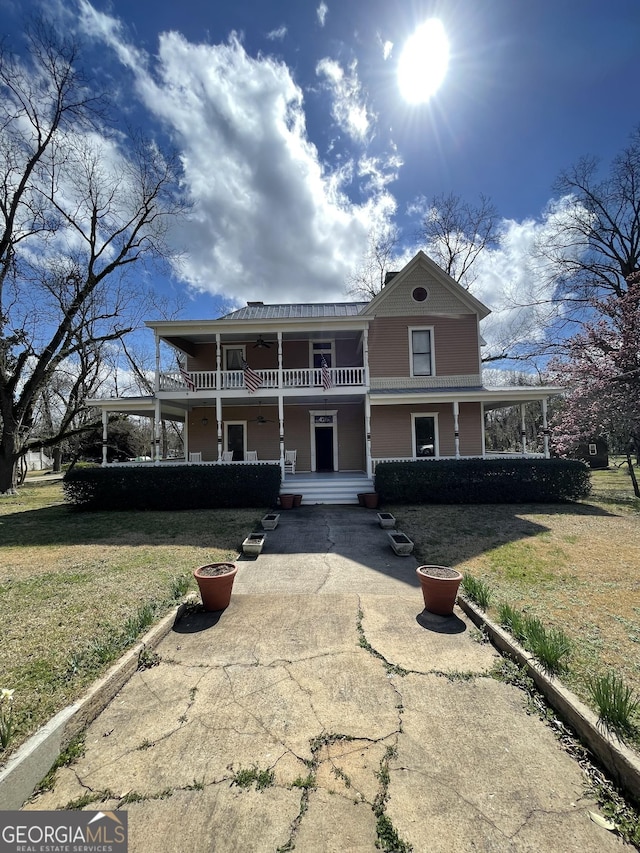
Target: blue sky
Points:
(296, 141)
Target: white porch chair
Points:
(195, 457)
(227, 455)
(251, 456)
(290, 461)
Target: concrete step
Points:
(329, 491)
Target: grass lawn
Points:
(76, 588)
(73, 585)
(574, 566)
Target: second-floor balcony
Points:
(235, 380)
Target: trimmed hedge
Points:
(466, 481)
(173, 487)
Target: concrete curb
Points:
(622, 765)
(33, 760)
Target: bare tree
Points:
(455, 234)
(596, 246)
(369, 278)
(77, 210)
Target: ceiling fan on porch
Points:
(260, 418)
(261, 343)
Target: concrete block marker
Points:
(33, 760)
(621, 763)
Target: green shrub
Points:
(172, 487)
(464, 481)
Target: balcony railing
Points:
(302, 377)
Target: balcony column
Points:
(367, 432)
(365, 355)
(281, 426)
(456, 427)
(105, 421)
(219, 423)
(545, 428)
(157, 379)
(218, 363)
(523, 428)
(156, 433)
(280, 377)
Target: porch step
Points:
(341, 490)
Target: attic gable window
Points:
(421, 352)
(420, 294)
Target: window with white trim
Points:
(425, 434)
(320, 349)
(233, 357)
(421, 352)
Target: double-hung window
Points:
(421, 352)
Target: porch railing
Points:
(302, 377)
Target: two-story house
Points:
(344, 385)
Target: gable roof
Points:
(434, 271)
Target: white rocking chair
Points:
(195, 457)
(290, 461)
(251, 456)
(227, 455)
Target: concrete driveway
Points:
(325, 711)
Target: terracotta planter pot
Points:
(286, 501)
(370, 500)
(439, 588)
(297, 500)
(215, 582)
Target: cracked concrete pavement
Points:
(325, 711)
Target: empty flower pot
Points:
(270, 521)
(386, 520)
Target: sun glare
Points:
(423, 62)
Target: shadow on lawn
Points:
(456, 532)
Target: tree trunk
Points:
(632, 474)
(8, 458)
(57, 459)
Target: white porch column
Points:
(365, 355)
(157, 428)
(218, 363)
(280, 364)
(456, 429)
(281, 417)
(523, 429)
(219, 426)
(105, 421)
(157, 380)
(545, 428)
(367, 432)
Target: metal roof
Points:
(295, 311)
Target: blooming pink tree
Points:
(602, 372)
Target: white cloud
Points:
(387, 47)
(277, 34)
(321, 12)
(269, 220)
(348, 110)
